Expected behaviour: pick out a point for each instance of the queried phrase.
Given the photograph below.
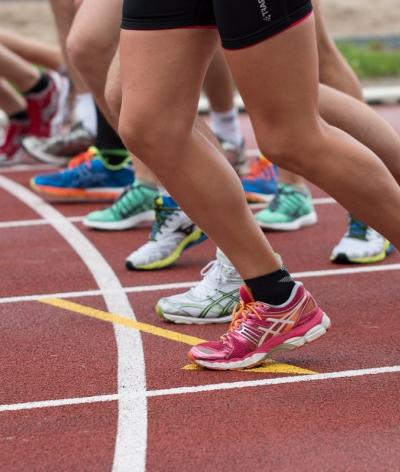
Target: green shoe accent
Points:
(123, 154)
(134, 206)
(290, 209)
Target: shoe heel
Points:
(312, 335)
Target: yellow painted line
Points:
(270, 367)
(121, 320)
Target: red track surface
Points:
(53, 354)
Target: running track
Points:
(85, 387)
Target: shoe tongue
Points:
(246, 295)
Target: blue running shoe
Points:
(261, 183)
(87, 178)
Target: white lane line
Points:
(22, 223)
(184, 285)
(25, 168)
(131, 440)
(78, 219)
(132, 396)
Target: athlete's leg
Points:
(90, 49)
(18, 71)
(10, 101)
(64, 12)
(297, 139)
(190, 166)
(32, 50)
(218, 84)
(333, 68)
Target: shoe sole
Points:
(15, 159)
(303, 221)
(259, 198)
(77, 195)
(44, 157)
(342, 258)
(259, 358)
(191, 320)
(121, 225)
(195, 238)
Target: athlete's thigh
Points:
(98, 21)
(166, 47)
(271, 49)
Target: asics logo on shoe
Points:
(257, 334)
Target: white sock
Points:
(226, 126)
(85, 111)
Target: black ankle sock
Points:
(274, 288)
(19, 116)
(40, 85)
(108, 140)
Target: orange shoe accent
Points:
(257, 167)
(83, 157)
(75, 194)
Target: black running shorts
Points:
(241, 23)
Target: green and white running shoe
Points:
(211, 301)
(134, 206)
(361, 245)
(290, 209)
(173, 232)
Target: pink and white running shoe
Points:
(258, 330)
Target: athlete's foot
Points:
(87, 178)
(60, 149)
(259, 330)
(133, 207)
(235, 155)
(361, 245)
(10, 150)
(290, 210)
(260, 184)
(211, 301)
(172, 233)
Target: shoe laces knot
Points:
(83, 158)
(240, 314)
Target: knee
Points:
(149, 135)
(290, 148)
(84, 52)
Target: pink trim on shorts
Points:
(296, 23)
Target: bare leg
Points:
(333, 71)
(90, 50)
(64, 13)
(218, 84)
(299, 140)
(32, 50)
(19, 72)
(152, 115)
(333, 68)
(10, 101)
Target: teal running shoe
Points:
(133, 207)
(290, 209)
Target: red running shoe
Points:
(11, 150)
(46, 109)
(258, 330)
